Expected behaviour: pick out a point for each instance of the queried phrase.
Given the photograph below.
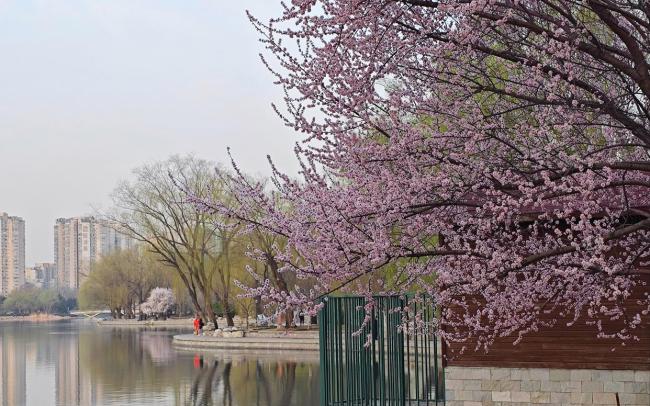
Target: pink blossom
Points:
(493, 155)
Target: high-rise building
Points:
(79, 242)
(42, 275)
(12, 253)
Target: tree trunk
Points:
(225, 304)
(288, 316)
(205, 314)
(197, 307)
(227, 314)
(209, 312)
(280, 283)
(277, 277)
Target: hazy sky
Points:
(90, 89)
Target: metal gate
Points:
(395, 369)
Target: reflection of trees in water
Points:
(207, 380)
(132, 360)
(290, 380)
(261, 379)
(129, 361)
(158, 347)
(252, 382)
(94, 365)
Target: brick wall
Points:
(476, 386)
(574, 347)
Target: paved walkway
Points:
(258, 340)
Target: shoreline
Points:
(170, 323)
(271, 341)
(239, 355)
(34, 318)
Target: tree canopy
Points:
(207, 251)
(495, 155)
(29, 299)
(122, 280)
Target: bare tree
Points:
(152, 208)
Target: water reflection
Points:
(14, 386)
(79, 364)
(253, 382)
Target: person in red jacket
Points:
(197, 324)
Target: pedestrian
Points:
(201, 325)
(296, 318)
(301, 316)
(197, 324)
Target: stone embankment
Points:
(476, 386)
(268, 339)
(169, 323)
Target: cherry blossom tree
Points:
(492, 154)
(159, 302)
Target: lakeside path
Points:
(301, 340)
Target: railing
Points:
(378, 364)
(91, 314)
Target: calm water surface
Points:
(75, 363)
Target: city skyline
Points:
(52, 257)
(78, 242)
(93, 90)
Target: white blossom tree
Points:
(160, 301)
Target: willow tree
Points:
(121, 281)
(151, 208)
(265, 247)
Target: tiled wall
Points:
(524, 386)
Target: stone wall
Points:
(474, 386)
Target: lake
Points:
(77, 363)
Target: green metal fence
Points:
(395, 369)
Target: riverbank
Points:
(269, 339)
(34, 318)
(170, 323)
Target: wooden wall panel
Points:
(562, 347)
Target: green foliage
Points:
(30, 299)
(122, 280)
(218, 310)
(206, 252)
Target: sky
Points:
(90, 89)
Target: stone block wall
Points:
(473, 386)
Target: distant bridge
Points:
(91, 314)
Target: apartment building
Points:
(79, 242)
(42, 275)
(12, 253)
